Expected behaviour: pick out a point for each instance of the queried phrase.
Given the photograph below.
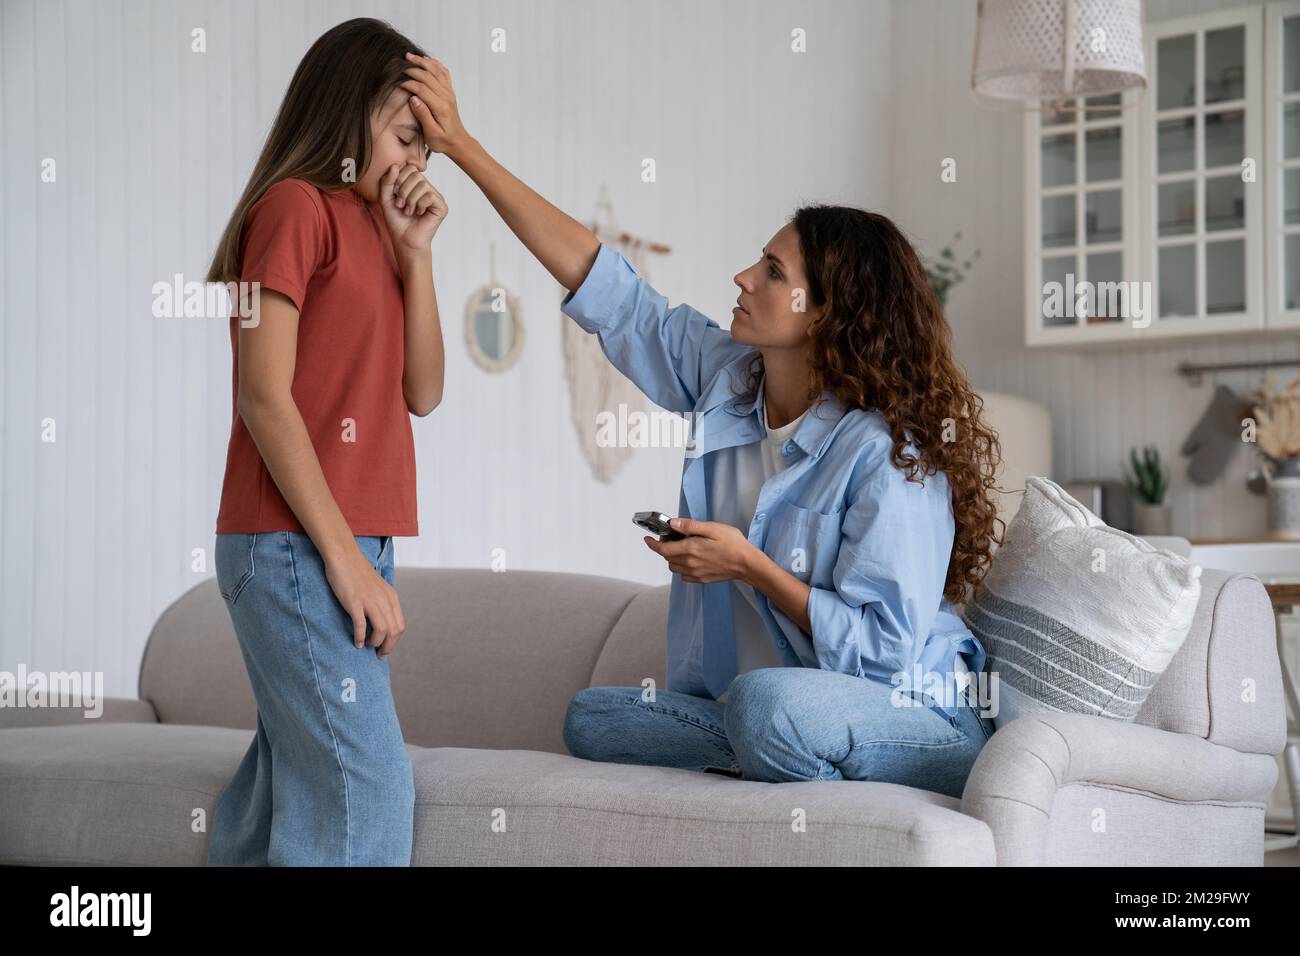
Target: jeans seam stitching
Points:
(678, 715)
(960, 739)
(247, 576)
(252, 568)
(347, 801)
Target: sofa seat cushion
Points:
(127, 795)
(112, 794)
(523, 807)
(121, 794)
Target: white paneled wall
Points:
(152, 145)
(1102, 403)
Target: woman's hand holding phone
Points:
(712, 551)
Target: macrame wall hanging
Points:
(595, 385)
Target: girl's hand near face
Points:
(413, 210)
(433, 101)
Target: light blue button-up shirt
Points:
(872, 546)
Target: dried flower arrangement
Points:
(1277, 420)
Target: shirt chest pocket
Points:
(805, 543)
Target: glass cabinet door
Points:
(1202, 164)
(1282, 109)
(1081, 226)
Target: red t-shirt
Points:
(330, 253)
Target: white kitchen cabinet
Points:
(1282, 162)
(1189, 195)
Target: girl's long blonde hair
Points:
(323, 122)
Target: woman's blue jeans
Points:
(780, 724)
(327, 778)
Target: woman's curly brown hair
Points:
(883, 343)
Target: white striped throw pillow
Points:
(1077, 616)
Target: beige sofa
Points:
(482, 679)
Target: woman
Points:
(837, 497)
(345, 344)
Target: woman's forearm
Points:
(281, 437)
(424, 365)
(781, 587)
(563, 245)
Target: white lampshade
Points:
(1057, 49)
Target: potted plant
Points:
(1147, 484)
(1277, 435)
(944, 273)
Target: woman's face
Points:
(773, 309)
(395, 137)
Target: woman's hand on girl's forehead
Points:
(433, 101)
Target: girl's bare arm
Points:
(424, 370)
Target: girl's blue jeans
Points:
(327, 778)
(781, 724)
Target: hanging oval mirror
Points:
(494, 329)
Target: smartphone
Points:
(656, 522)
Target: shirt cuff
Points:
(594, 305)
(832, 631)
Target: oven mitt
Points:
(1215, 437)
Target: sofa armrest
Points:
(1015, 780)
(115, 710)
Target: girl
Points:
(820, 565)
(341, 344)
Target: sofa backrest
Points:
(488, 659)
(491, 660)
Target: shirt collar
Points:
(816, 427)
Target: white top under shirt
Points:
(754, 464)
